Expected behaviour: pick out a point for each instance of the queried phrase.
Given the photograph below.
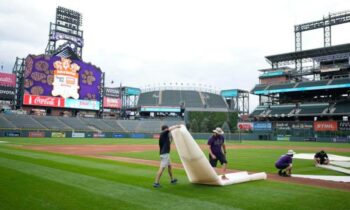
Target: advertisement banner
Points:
(58, 134)
(98, 135)
(245, 126)
(43, 101)
(283, 137)
(302, 125)
(55, 76)
(36, 134)
(325, 126)
(78, 135)
(156, 136)
(7, 93)
(118, 135)
(7, 79)
(82, 104)
(112, 102)
(344, 126)
(111, 92)
(262, 126)
(13, 134)
(283, 126)
(137, 135)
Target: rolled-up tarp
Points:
(197, 166)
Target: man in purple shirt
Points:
(284, 164)
(217, 150)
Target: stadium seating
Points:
(259, 87)
(312, 83)
(279, 110)
(5, 123)
(129, 125)
(281, 86)
(258, 110)
(97, 123)
(312, 109)
(114, 124)
(171, 98)
(84, 124)
(75, 123)
(24, 121)
(214, 100)
(340, 81)
(342, 108)
(149, 99)
(51, 122)
(191, 98)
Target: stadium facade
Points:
(306, 93)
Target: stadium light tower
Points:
(66, 29)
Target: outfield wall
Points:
(264, 136)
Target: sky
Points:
(217, 44)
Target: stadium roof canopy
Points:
(312, 53)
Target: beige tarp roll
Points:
(197, 166)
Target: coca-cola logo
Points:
(6, 79)
(44, 101)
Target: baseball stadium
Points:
(68, 140)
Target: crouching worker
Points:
(284, 164)
(321, 158)
(164, 150)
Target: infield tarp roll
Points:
(197, 166)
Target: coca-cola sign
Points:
(43, 101)
(7, 79)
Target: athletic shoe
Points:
(174, 181)
(156, 185)
(280, 172)
(285, 174)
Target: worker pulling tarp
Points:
(197, 166)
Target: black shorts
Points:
(219, 157)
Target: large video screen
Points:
(60, 77)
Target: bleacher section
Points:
(149, 98)
(259, 87)
(279, 110)
(342, 107)
(258, 111)
(214, 100)
(340, 81)
(312, 109)
(114, 124)
(51, 122)
(97, 123)
(312, 83)
(281, 86)
(171, 98)
(83, 124)
(23, 121)
(5, 123)
(191, 98)
(129, 125)
(75, 123)
(175, 98)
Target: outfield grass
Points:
(40, 180)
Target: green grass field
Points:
(42, 180)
